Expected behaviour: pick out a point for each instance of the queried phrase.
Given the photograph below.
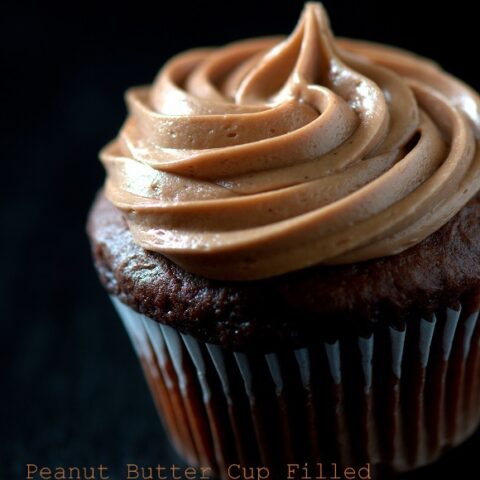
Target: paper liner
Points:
(397, 398)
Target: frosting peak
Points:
(271, 155)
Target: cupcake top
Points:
(270, 155)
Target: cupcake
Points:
(290, 232)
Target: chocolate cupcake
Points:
(290, 232)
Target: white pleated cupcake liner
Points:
(398, 397)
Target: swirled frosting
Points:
(270, 155)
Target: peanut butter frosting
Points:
(271, 155)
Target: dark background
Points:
(71, 392)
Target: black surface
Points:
(71, 391)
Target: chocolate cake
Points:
(297, 307)
(290, 232)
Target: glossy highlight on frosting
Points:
(271, 155)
